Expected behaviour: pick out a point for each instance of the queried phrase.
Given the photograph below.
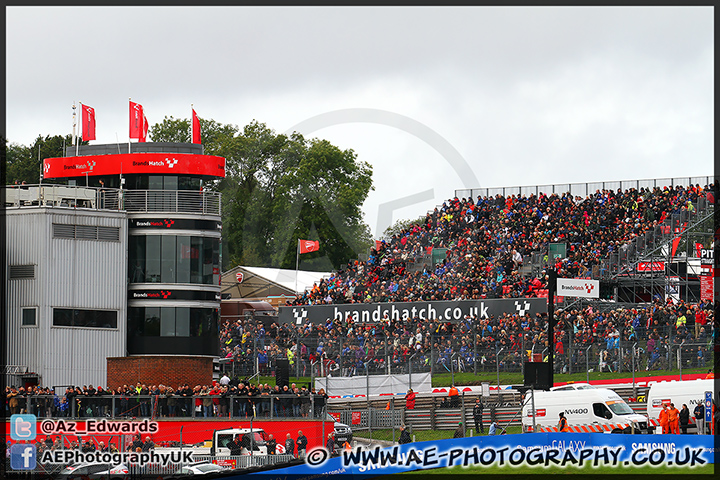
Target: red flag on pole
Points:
(675, 243)
(145, 129)
(136, 120)
(88, 122)
(307, 246)
(195, 128)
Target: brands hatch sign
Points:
(578, 287)
(446, 311)
(135, 163)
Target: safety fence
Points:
(156, 406)
(586, 188)
(479, 350)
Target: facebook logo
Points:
(22, 427)
(23, 457)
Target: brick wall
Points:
(170, 370)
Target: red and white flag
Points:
(195, 128)
(137, 117)
(88, 122)
(307, 246)
(145, 129)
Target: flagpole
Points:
(192, 122)
(297, 263)
(130, 119)
(77, 142)
(74, 138)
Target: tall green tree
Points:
(24, 163)
(279, 189)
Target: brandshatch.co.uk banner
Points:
(447, 311)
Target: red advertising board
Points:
(706, 287)
(226, 462)
(356, 418)
(135, 163)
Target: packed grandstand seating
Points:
(487, 240)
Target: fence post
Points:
(392, 418)
(587, 362)
(432, 414)
(474, 346)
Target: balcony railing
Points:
(584, 189)
(135, 201)
(178, 201)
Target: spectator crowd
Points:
(488, 240)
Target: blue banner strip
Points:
(532, 449)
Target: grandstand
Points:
(498, 243)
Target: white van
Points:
(689, 392)
(584, 406)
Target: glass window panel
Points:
(153, 255)
(182, 322)
(136, 259)
(155, 182)
(216, 261)
(62, 317)
(170, 183)
(196, 245)
(152, 322)
(136, 317)
(195, 322)
(106, 318)
(29, 316)
(168, 258)
(83, 318)
(184, 253)
(207, 261)
(188, 183)
(167, 322)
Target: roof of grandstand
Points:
(263, 282)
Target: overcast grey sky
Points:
(524, 96)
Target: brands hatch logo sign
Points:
(169, 223)
(444, 311)
(164, 294)
(521, 309)
(88, 166)
(171, 163)
(239, 276)
(576, 287)
(300, 315)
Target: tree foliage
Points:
(279, 189)
(23, 164)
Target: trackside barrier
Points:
(608, 427)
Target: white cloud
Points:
(526, 95)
